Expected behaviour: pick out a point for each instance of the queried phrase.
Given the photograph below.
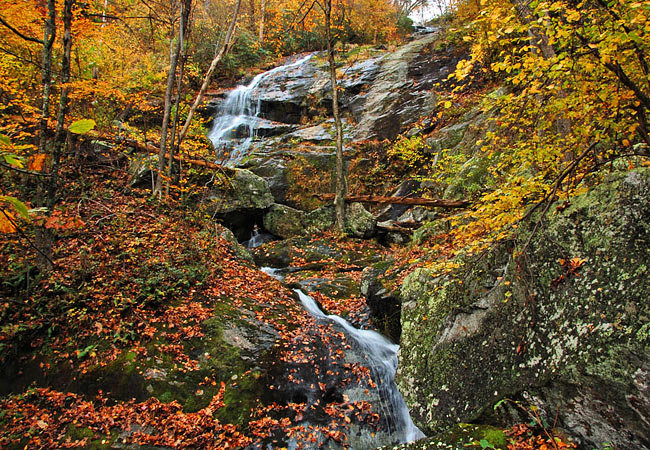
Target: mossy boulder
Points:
(284, 221)
(359, 222)
(243, 191)
(564, 324)
(320, 219)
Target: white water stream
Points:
(381, 356)
(234, 128)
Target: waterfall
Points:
(381, 356)
(234, 128)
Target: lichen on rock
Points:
(500, 326)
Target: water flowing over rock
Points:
(238, 120)
(564, 327)
(374, 351)
(383, 94)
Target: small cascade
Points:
(234, 128)
(381, 356)
(255, 240)
(258, 238)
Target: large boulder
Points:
(284, 221)
(274, 170)
(240, 201)
(359, 222)
(565, 325)
(320, 219)
(242, 191)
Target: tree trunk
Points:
(208, 75)
(60, 134)
(260, 34)
(339, 199)
(49, 34)
(251, 15)
(174, 50)
(183, 29)
(43, 236)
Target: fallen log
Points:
(419, 201)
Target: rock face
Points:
(394, 99)
(567, 326)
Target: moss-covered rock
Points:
(242, 191)
(565, 321)
(284, 221)
(359, 222)
(460, 437)
(320, 219)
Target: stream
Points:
(338, 380)
(380, 356)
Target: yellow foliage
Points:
(6, 225)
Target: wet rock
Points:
(284, 96)
(383, 299)
(284, 221)
(393, 100)
(575, 342)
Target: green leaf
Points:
(485, 444)
(4, 140)
(82, 126)
(13, 160)
(85, 351)
(17, 204)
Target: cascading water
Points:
(381, 357)
(234, 128)
(255, 240)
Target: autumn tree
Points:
(584, 64)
